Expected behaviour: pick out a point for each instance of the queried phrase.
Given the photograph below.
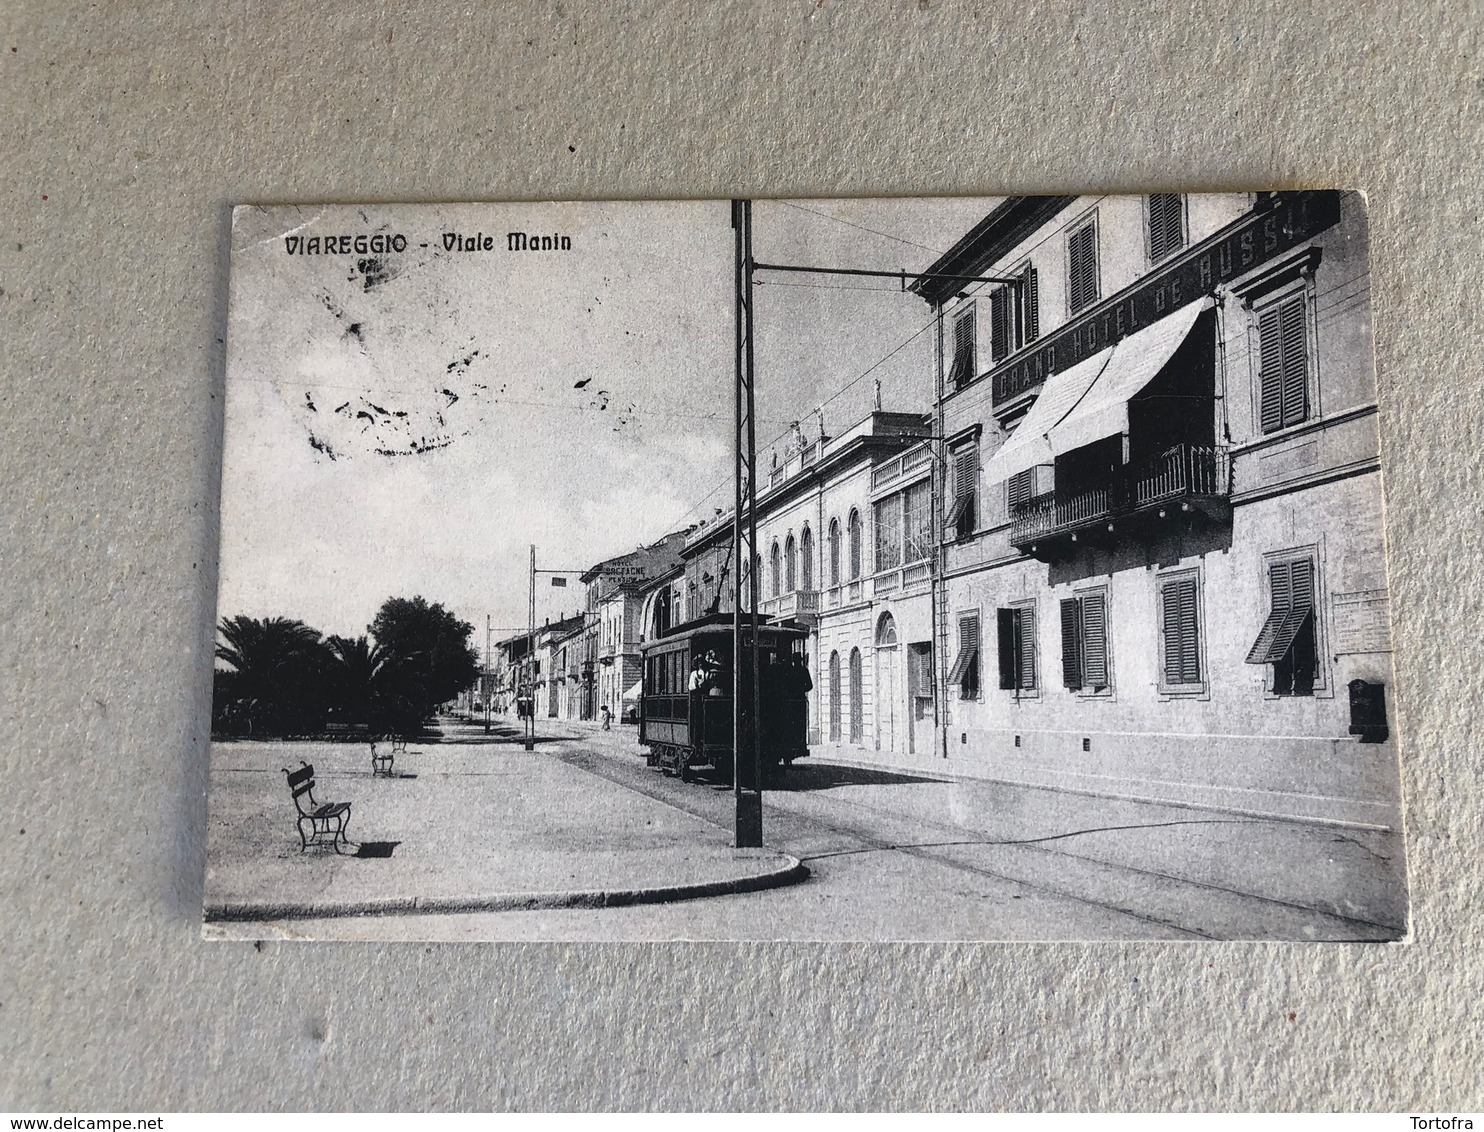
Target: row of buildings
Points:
(1135, 548)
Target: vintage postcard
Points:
(912, 569)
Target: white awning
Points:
(1103, 409)
(1029, 444)
(633, 693)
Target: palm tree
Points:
(363, 678)
(279, 669)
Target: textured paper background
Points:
(128, 132)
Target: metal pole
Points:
(487, 624)
(746, 731)
(531, 661)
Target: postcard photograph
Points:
(897, 569)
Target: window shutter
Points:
(963, 349)
(1025, 629)
(1071, 644)
(1095, 641)
(1190, 643)
(965, 480)
(1018, 488)
(1280, 586)
(1295, 361)
(1165, 229)
(1270, 377)
(1301, 582)
(1030, 313)
(1284, 366)
(1182, 643)
(999, 323)
(1082, 282)
(1007, 631)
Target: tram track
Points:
(1156, 886)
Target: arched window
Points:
(854, 535)
(777, 571)
(661, 614)
(806, 554)
(757, 572)
(886, 631)
(834, 697)
(790, 565)
(834, 552)
(857, 708)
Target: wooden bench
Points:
(326, 819)
(381, 761)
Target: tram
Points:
(685, 707)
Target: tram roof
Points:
(720, 623)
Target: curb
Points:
(792, 872)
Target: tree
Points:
(428, 648)
(277, 685)
(363, 681)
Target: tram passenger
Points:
(705, 674)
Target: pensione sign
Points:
(1278, 224)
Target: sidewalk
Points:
(471, 823)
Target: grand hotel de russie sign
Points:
(1279, 223)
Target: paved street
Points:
(908, 856)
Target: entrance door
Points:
(920, 694)
(888, 710)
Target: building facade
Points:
(1161, 566)
(617, 589)
(844, 548)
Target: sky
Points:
(409, 423)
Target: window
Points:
(1288, 640)
(1001, 323)
(889, 533)
(1166, 225)
(834, 552)
(1180, 632)
(1082, 267)
(857, 696)
(917, 522)
(1030, 304)
(1283, 367)
(1084, 643)
(854, 536)
(963, 517)
(790, 565)
(1017, 646)
(963, 370)
(1018, 489)
(806, 554)
(834, 697)
(920, 672)
(775, 563)
(886, 631)
(965, 670)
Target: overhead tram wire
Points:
(859, 227)
(838, 393)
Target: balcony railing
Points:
(1185, 472)
(908, 461)
(794, 606)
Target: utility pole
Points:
(531, 661)
(487, 673)
(746, 724)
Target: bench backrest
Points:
(301, 782)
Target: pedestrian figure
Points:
(607, 717)
(703, 675)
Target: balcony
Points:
(908, 462)
(1187, 480)
(800, 605)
